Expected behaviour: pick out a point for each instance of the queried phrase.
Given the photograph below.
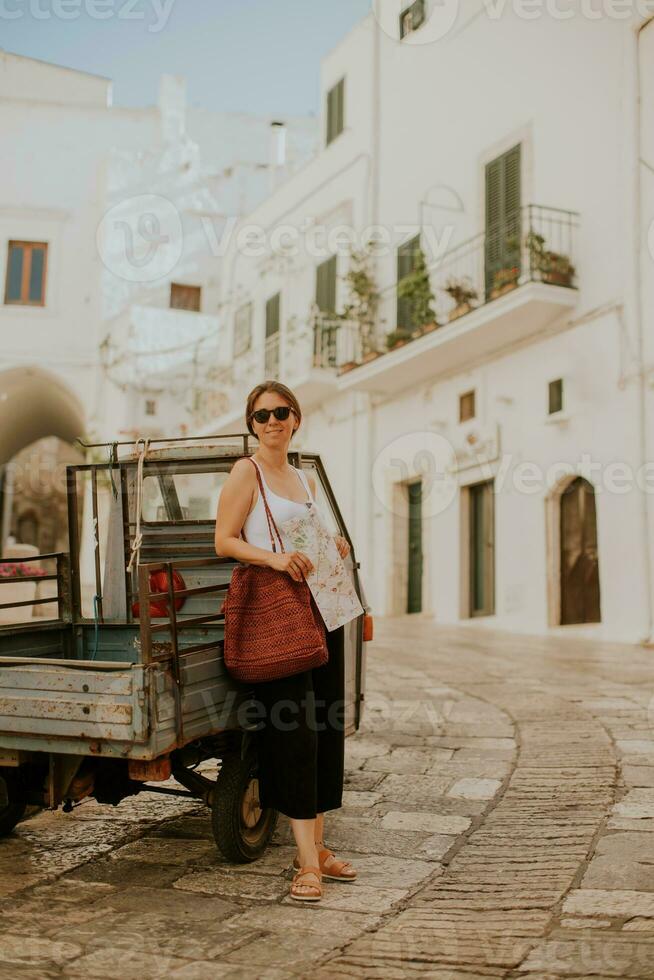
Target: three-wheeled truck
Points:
(126, 686)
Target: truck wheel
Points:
(12, 800)
(241, 828)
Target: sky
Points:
(258, 56)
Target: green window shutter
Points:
(330, 116)
(326, 286)
(36, 275)
(556, 395)
(14, 272)
(272, 315)
(335, 111)
(406, 262)
(340, 106)
(503, 214)
(512, 182)
(503, 187)
(271, 359)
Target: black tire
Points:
(241, 838)
(14, 810)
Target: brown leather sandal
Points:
(306, 896)
(335, 870)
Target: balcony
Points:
(314, 351)
(496, 290)
(148, 342)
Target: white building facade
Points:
(493, 465)
(87, 189)
(110, 228)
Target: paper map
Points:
(330, 581)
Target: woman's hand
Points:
(294, 563)
(342, 545)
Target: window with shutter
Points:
(406, 263)
(26, 273)
(335, 111)
(467, 406)
(503, 218)
(272, 315)
(272, 336)
(556, 396)
(324, 348)
(326, 286)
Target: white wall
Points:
(564, 89)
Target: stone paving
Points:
(499, 808)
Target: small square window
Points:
(26, 273)
(185, 297)
(556, 396)
(150, 406)
(466, 406)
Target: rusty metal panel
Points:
(209, 696)
(73, 702)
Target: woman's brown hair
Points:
(279, 389)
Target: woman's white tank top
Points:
(255, 529)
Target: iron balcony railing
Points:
(336, 341)
(534, 244)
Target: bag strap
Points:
(269, 517)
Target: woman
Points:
(301, 762)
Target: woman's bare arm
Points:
(233, 506)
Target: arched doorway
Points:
(578, 554)
(37, 411)
(35, 404)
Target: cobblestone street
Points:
(499, 810)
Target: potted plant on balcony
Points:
(506, 277)
(362, 303)
(504, 280)
(416, 288)
(554, 268)
(347, 366)
(398, 337)
(463, 293)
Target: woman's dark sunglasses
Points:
(281, 413)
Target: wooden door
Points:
(482, 549)
(414, 590)
(580, 587)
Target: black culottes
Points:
(301, 737)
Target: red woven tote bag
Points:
(273, 627)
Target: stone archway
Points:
(573, 561)
(34, 405)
